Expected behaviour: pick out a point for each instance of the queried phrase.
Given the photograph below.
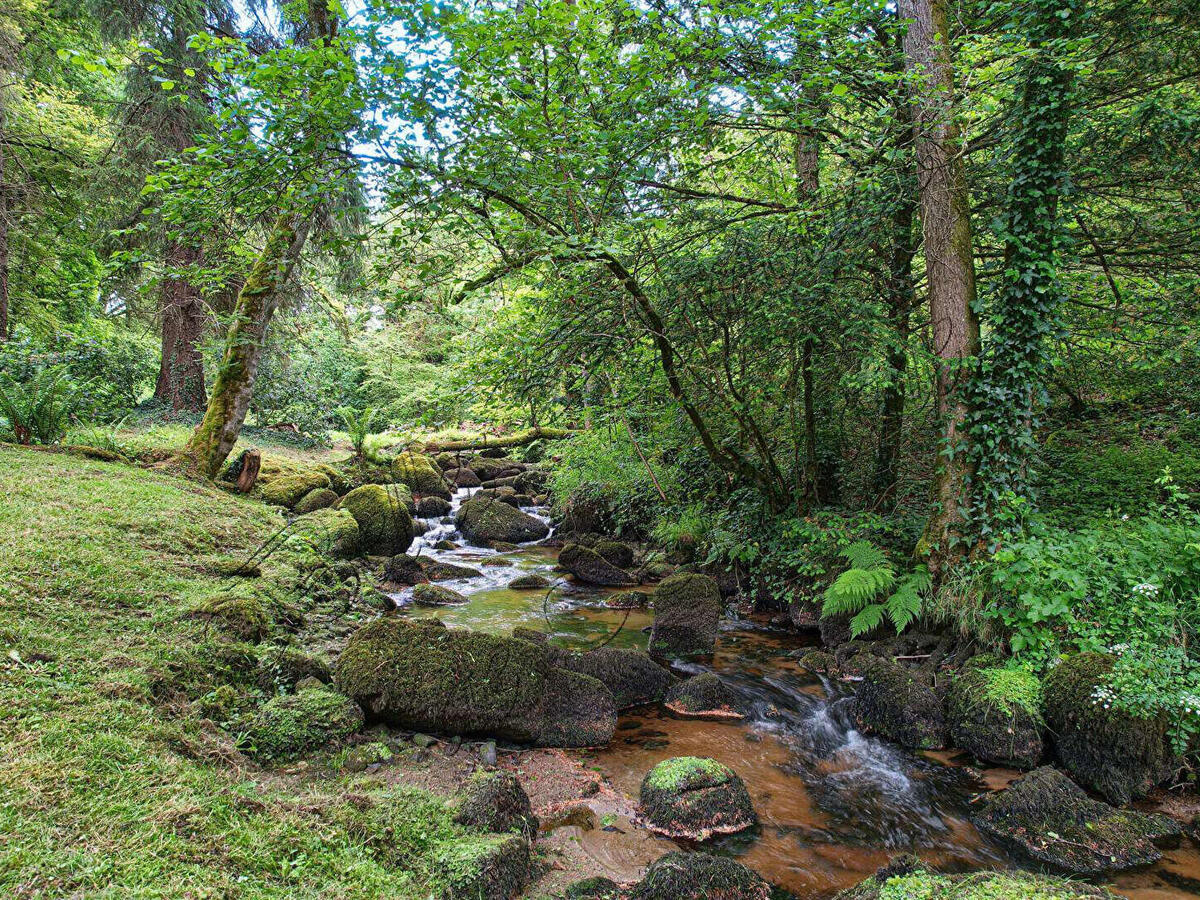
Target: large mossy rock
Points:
(918, 884)
(333, 532)
(282, 482)
(704, 696)
(384, 524)
(1111, 752)
(700, 876)
(320, 498)
(633, 677)
(484, 520)
(421, 474)
(289, 725)
(590, 567)
(687, 610)
(495, 801)
(239, 613)
(488, 468)
(491, 867)
(464, 478)
(892, 703)
(993, 714)
(1049, 818)
(454, 681)
(695, 798)
(437, 595)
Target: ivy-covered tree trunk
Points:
(3, 234)
(181, 370)
(1015, 367)
(256, 302)
(949, 264)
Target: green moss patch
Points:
(289, 725)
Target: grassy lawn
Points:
(113, 784)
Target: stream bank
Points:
(834, 804)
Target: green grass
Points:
(671, 774)
(985, 886)
(108, 789)
(1013, 688)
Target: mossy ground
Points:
(107, 791)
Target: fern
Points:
(360, 425)
(39, 410)
(869, 591)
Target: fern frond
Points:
(865, 555)
(854, 588)
(869, 618)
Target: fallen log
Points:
(486, 441)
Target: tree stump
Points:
(251, 462)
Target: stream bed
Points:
(834, 804)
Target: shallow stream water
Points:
(834, 804)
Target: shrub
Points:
(39, 410)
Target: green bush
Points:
(39, 410)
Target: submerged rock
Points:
(633, 677)
(589, 566)
(495, 801)
(384, 524)
(700, 876)
(695, 798)
(687, 610)
(423, 678)
(437, 595)
(892, 703)
(994, 728)
(703, 696)
(1049, 818)
(1109, 751)
(484, 520)
(529, 583)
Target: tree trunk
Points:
(899, 298)
(181, 372)
(3, 235)
(949, 264)
(256, 302)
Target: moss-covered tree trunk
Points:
(234, 385)
(949, 263)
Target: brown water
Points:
(834, 804)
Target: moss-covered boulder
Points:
(433, 507)
(1049, 818)
(704, 696)
(892, 703)
(687, 610)
(633, 677)
(456, 681)
(529, 582)
(436, 570)
(240, 614)
(290, 725)
(615, 552)
(995, 714)
(700, 876)
(695, 798)
(487, 468)
(384, 525)
(627, 600)
(403, 569)
(421, 474)
(436, 595)
(464, 478)
(919, 884)
(495, 801)
(284, 483)
(597, 888)
(489, 867)
(591, 568)
(331, 532)
(281, 668)
(483, 520)
(316, 499)
(1111, 752)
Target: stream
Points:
(834, 804)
